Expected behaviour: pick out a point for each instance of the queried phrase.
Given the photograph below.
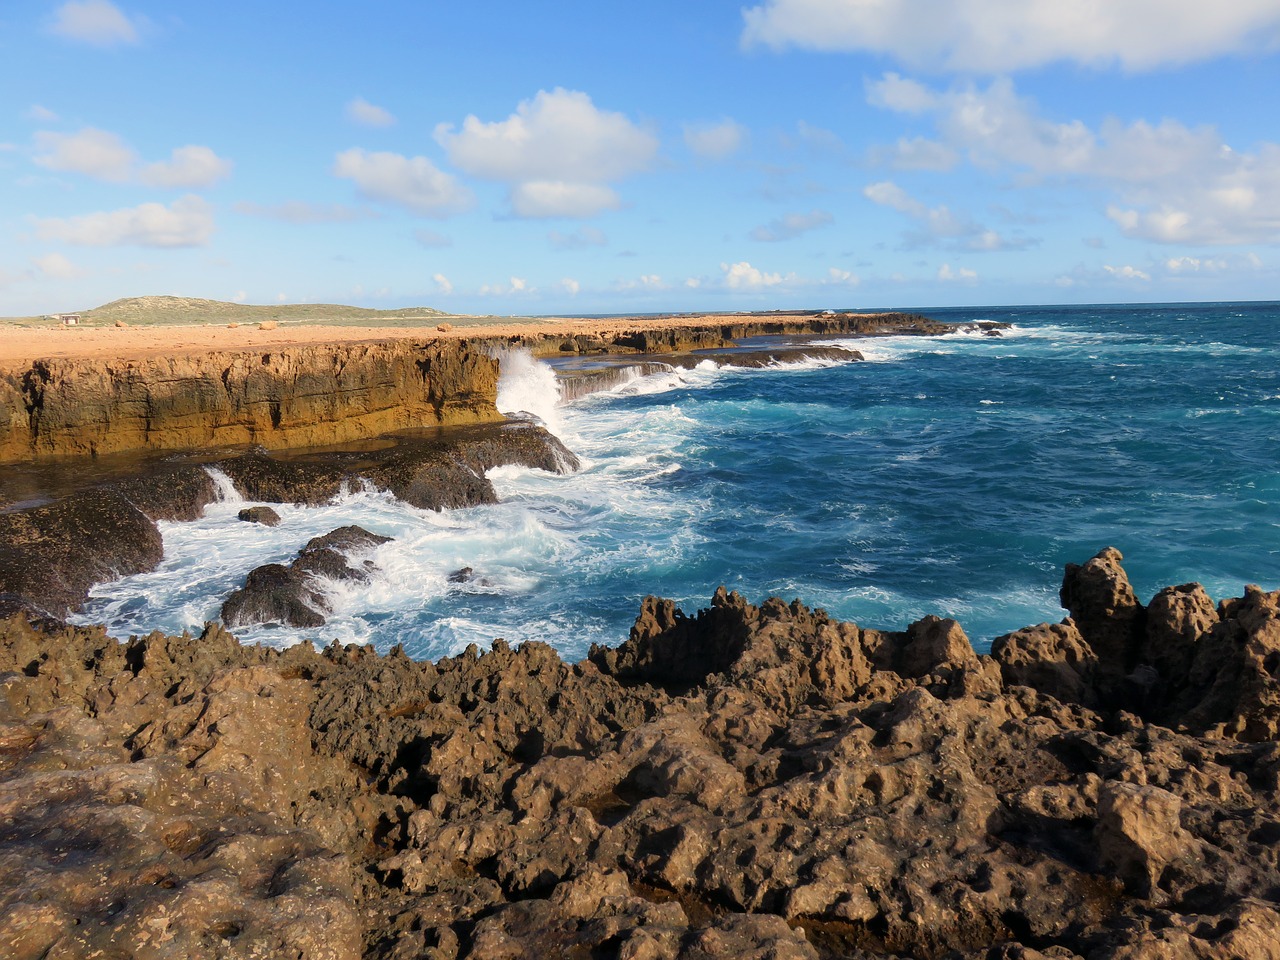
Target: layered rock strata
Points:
(752, 781)
(291, 397)
(685, 339)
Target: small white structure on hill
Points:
(66, 319)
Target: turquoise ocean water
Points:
(949, 475)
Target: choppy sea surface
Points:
(952, 475)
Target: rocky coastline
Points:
(321, 394)
(755, 781)
(415, 417)
(750, 781)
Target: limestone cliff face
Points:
(293, 397)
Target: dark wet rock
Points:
(746, 781)
(435, 475)
(434, 472)
(170, 492)
(275, 593)
(51, 555)
(263, 515)
(462, 575)
(260, 475)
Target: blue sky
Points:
(581, 157)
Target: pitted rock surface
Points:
(747, 781)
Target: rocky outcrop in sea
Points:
(748, 781)
(52, 554)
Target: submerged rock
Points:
(746, 781)
(263, 515)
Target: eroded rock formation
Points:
(749, 781)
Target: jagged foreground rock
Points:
(747, 782)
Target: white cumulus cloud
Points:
(1170, 183)
(743, 276)
(900, 94)
(98, 23)
(95, 153)
(917, 153)
(1125, 273)
(443, 285)
(304, 213)
(187, 222)
(556, 198)
(570, 286)
(715, 141)
(792, 225)
(961, 275)
(1195, 264)
(513, 286)
(106, 156)
(41, 114)
(647, 281)
(411, 182)
(557, 152)
(190, 167)
(367, 114)
(998, 36)
(842, 277)
(938, 224)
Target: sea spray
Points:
(577, 384)
(224, 487)
(527, 386)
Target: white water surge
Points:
(547, 529)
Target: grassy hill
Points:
(142, 311)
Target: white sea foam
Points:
(224, 487)
(613, 514)
(527, 386)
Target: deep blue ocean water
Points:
(951, 475)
